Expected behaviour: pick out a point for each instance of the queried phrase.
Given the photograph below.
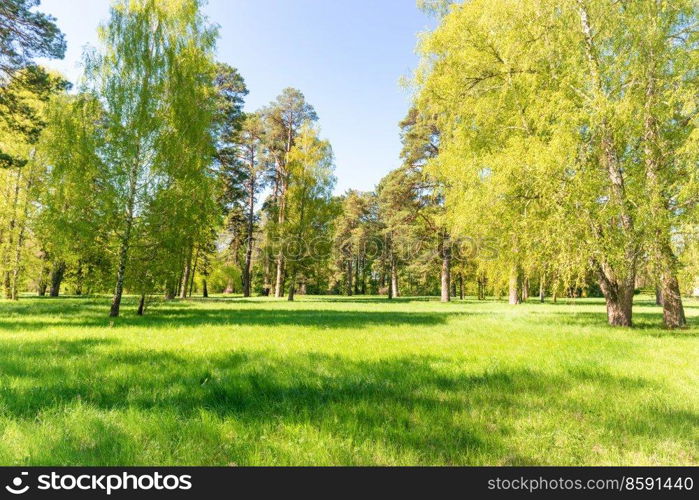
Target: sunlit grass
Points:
(344, 381)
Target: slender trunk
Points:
(525, 289)
(542, 289)
(363, 286)
(292, 287)
(515, 285)
(194, 273)
(350, 275)
(205, 289)
(461, 286)
(279, 281)
(141, 304)
(185, 275)
(17, 269)
(7, 279)
(658, 295)
(121, 269)
(79, 279)
(395, 292)
(250, 237)
(356, 275)
(445, 252)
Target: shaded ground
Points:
(344, 381)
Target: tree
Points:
(420, 136)
(399, 210)
(540, 130)
(284, 119)
(24, 35)
(252, 156)
(159, 115)
(309, 196)
(30, 91)
(355, 240)
(74, 219)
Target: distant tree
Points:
(309, 198)
(252, 156)
(73, 224)
(355, 229)
(284, 119)
(26, 34)
(30, 91)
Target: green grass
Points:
(344, 381)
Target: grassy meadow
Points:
(344, 381)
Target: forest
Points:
(563, 164)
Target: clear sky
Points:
(346, 56)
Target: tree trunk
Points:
(250, 237)
(445, 252)
(655, 157)
(57, 273)
(184, 284)
(515, 285)
(279, 282)
(525, 289)
(658, 296)
(617, 284)
(43, 285)
(461, 286)
(121, 272)
(292, 288)
(194, 273)
(395, 292)
(79, 279)
(205, 290)
(248, 264)
(542, 289)
(619, 297)
(349, 277)
(673, 311)
(141, 305)
(363, 275)
(7, 280)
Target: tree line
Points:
(569, 131)
(552, 153)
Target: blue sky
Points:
(346, 56)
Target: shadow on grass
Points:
(444, 416)
(92, 313)
(645, 323)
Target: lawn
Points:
(346, 381)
